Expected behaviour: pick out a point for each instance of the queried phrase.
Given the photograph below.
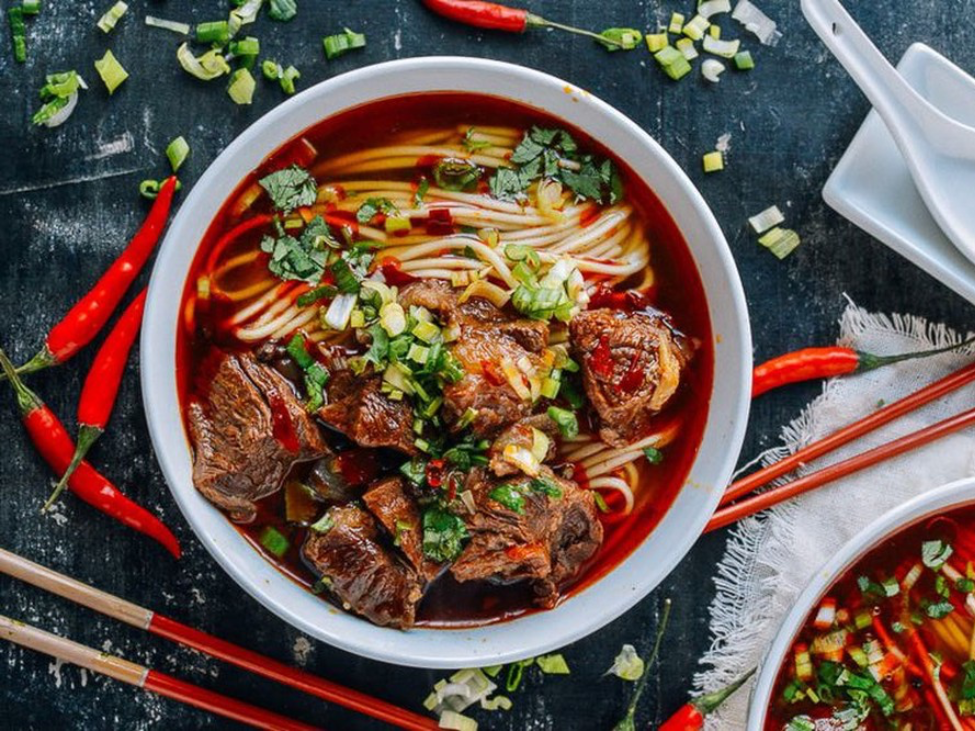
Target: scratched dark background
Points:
(68, 202)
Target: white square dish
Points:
(872, 187)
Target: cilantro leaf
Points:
(368, 210)
(444, 534)
(421, 190)
(506, 184)
(454, 173)
(473, 145)
(290, 188)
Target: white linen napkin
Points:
(771, 557)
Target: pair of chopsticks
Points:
(732, 508)
(169, 686)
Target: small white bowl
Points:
(585, 611)
(937, 501)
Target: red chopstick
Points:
(140, 676)
(731, 513)
(112, 606)
(847, 434)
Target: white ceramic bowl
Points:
(585, 611)
(930, 504)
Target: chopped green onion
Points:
(780, 241)
(520, 252)
(271, 69)
(712, 7)
(112, 16)
(628, 664)
(217, 31)
(453, 721)
(18, 32)
(934, 554)
(686, 47)
(566, 421)
(714, 32)
(653, 455)
(467, 418)
(554, 664)
(725, 49)
(273, 540)
(696, 27)
(713, 162)
(510, 496)
(620, 39)
(323, 524)
(247, 50)
(342, 43)
(111, 71)
(657, 41)
(282, 10)
(676, 23)
(673, 62)
(323, 292)
(288, 78)
(182, 29)
(712, 69)
(241, 87)
(31, 7)
(150, 188)
(744, 61)
(767, 219)
(177, 151)
(207, 67)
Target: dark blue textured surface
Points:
(68, 203)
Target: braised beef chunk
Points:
(366, 577)
(541, 530)
(520, 436)
(359, 409)
(482, 346)
(435, 295)
(247, 434)
(631, 367)
(399, 514)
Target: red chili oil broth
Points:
(678, 290)
(892, 557)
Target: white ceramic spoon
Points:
(939, 151)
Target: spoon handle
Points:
(900, 105)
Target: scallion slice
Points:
(744, 61)
(657, 41)
(271, 70)
(112, 16)
(566, 421)
(217, 31)
(176, 151)
(713, 162)
(288, 78)
(342, 43)
(111, 71)
(725, 49)
(18, 32)
(780, 241)
(696, 27)
(171, 25)
(676, 24)
(282, 10)
(712, 69)
(241, 87)
(673, 62)
(246, 49)
(31, 7)
(769, 218)
(274, 541)
(207, 67)
(713, 7)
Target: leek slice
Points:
(113, 15)
(207, 67)
(111, 71)
(241, 87)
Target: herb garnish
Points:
(554, 154)
(282, 10)
(290, 188)
(473, 145)
(444, 534)
(368, 210)
(421, 190)
(456, 174)
(303, 257)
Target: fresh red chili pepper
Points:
(690, 716)
(601, 360)
(435, 472)
(491, 373)
(495, 16)
(813, 363)
(101, 387)
(54, 444)
(393, 272)
(89, 315)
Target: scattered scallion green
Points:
(207, 67)
(31, 7)
(274, 541)
(780, 241)
(111, 71)
(620, 39)
(341, 43)
(713, 161)
(217, 32)
(673, 62)
(282, 10)
(112, 16)
(241, 87)
(566, 421)
(18, 32)
(177, 152)
(150, 188)
(182, 29)
(553, 664)
(653, 455)
(744, 61)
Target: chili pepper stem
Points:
(27, 400)
(536, 21)
(43, 359)
(708, 703)
(629, 723)
(87, 436)
(869, 361)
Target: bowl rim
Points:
(582, 613)
(949, 496)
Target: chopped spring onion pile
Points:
(341, 43)
(111, 71)
(621, 39)
(106, 24)
(177, 151)
(182, 29)
(60, 96)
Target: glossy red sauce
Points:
(678, 290)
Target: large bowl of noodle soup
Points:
(651, 231)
